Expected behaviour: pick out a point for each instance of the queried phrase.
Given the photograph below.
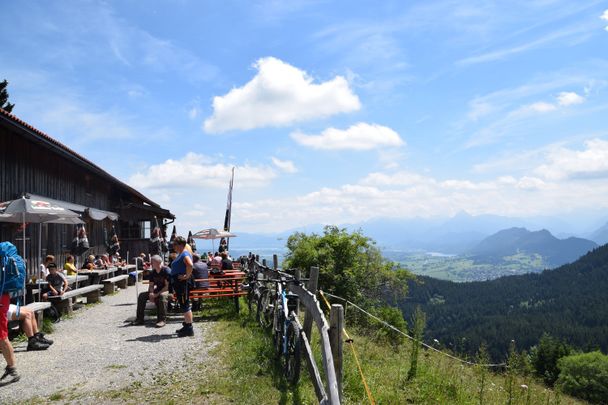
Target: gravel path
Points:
(98, 349)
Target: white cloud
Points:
(565, 36)
(410, 195)
(286, 166)
(566, 98)
(539, 107)
(604, 16)
(511, 119)
(479, 108)
(401, 178)
(279, 95)
(195, 170)
(530, 183)
(563, 163)
(563, 99)
(361, 136)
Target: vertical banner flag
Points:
(229, 206)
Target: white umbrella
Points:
(37, 210)
(212, 234)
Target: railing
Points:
(328, 391)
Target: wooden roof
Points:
(57, 147)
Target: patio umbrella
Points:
(29, 210)
(212, 234)
(37, 210)
(191, 241)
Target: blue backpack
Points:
(12, 277)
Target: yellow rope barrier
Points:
(349, 340)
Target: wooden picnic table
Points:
(125, 268)
(96, 275)
(221, 285)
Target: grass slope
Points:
(242, 369)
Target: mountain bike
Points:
(286, 329)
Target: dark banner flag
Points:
(229, 206)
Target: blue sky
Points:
(331, 112)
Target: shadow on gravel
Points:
(207, 318)
(152, 338)
(124, 305)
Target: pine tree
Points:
(4, 104)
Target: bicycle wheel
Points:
(263, 310)
(279, 331)
(293, 356)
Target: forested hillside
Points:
(555, 252)
(569, 303)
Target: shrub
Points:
(585, 376)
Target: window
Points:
(144, 227)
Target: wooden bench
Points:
(64, 302)
(227, 285)
(37, 308)
(109, 284)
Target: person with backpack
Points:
(12, 280)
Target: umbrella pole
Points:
(39, 244)
(23, 224)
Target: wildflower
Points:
(524, 386)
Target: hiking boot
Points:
(180, 330)
(41, 338)
(10, 375)
(35, 344)
(187, 330)
(160, 324)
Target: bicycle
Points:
(286, 330)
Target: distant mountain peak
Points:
(511, 241)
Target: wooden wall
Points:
(30, 167)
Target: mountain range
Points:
(508, 242)
(569, 303)
(455, 235)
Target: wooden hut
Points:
(32, 163)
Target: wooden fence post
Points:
(264, 262)
(297, 274)
(336, 324)
(313, 282)
(275, 262)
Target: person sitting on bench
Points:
(58, 284)
(200, 271)
(158, 292)
(35, 339)
(69, 267)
